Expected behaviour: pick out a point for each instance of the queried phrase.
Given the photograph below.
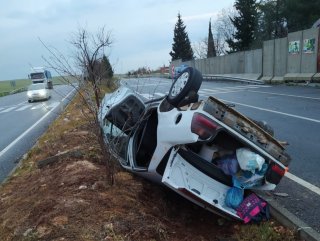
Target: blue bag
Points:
(234, 197)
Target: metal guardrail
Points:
(223, 77)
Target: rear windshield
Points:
(37, 87)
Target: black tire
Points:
(190, 79)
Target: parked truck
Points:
(41, 75)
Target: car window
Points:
(117, 140)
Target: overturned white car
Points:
(199, 149)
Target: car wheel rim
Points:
(179, 84)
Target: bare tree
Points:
(84, 67)
(200, 48)
(223, 29)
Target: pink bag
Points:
(250, 207)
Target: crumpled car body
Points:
(175, 143)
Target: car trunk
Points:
(195, 170)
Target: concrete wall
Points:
(268, 60)
(280, 58)
(309, 56)
(285, 58)
(294, 52)
(253, 61)
(302, 65)
(274, 59)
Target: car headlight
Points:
(29, 94)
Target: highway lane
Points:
(21, 123)
(293, 112)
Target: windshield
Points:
(37, 75)
(36, 87)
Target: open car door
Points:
(199, 181)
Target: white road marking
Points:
(23, 108)
(222, 92)
(236, 88)
(22, 103)
(143, 84)
(38, 106)
(23, 134)
(29, 129)
(296, 96)
(8, 109)
(273, 111)
(53, 104)
(303, 183)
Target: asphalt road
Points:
(21, 123)
(293, 112)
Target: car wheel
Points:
(190, 79)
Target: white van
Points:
(39, 91)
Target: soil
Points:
(71, 199)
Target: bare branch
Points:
(85, 67)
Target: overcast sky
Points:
(142, 31)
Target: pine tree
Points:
(211, 48)
(272, 22)
(107, 68)
(301, 14)
(245, 24)
(181, 47)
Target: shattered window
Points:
(117, 140)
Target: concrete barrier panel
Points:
(309, 50)
(203, 65)
(207, 66)
(197, 64)
(227, 63)
(237, 63)
(220, 64)
(253, 62)
(294, 55)
(211, 65)
(280, 58)
(268, 60)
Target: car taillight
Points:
(203, 126)
(278, 170)
(275, 173)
